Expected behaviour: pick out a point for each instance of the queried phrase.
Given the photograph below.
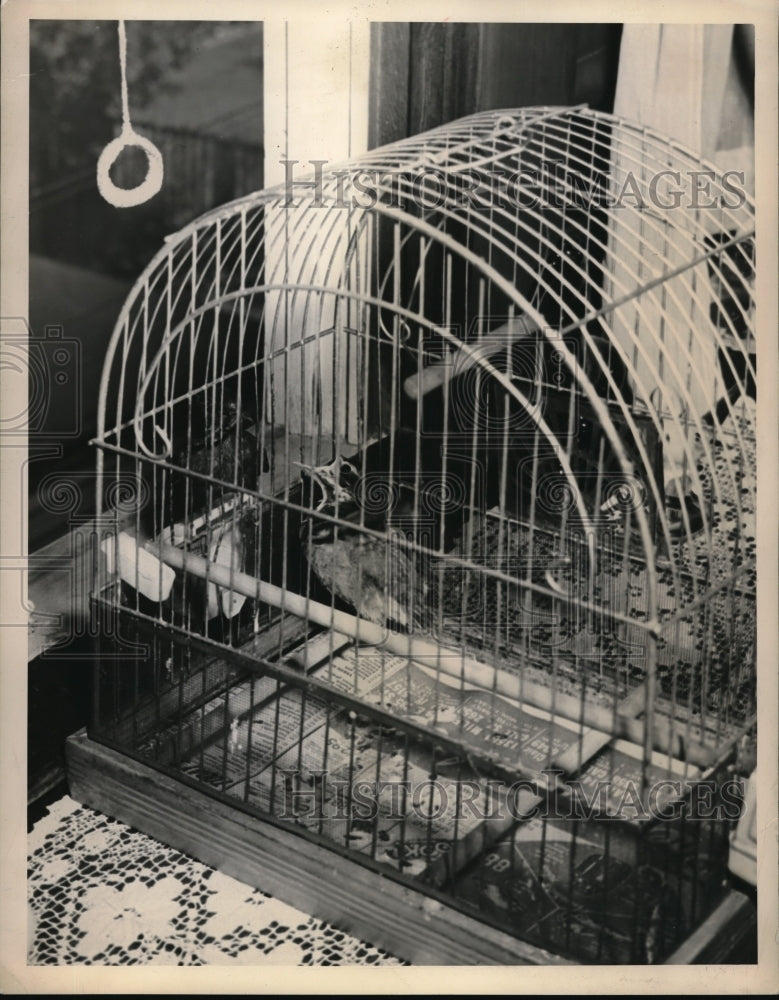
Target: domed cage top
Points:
(439, 466)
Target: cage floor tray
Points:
(426, 816)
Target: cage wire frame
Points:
(320, 295)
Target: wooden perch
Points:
(433, 376)
(453, 663)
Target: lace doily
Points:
(101, 893)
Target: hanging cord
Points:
(128, 197)
(123, 73)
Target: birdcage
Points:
(426, 499)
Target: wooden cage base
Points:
(407, 923)
(319, 881)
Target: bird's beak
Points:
(327, 476)
(312, 472)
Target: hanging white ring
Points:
(129, 197)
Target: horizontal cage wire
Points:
(435, 473)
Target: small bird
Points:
(377, 576)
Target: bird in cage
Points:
(371, 570)
(219, 444)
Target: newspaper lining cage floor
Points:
(427, 494)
